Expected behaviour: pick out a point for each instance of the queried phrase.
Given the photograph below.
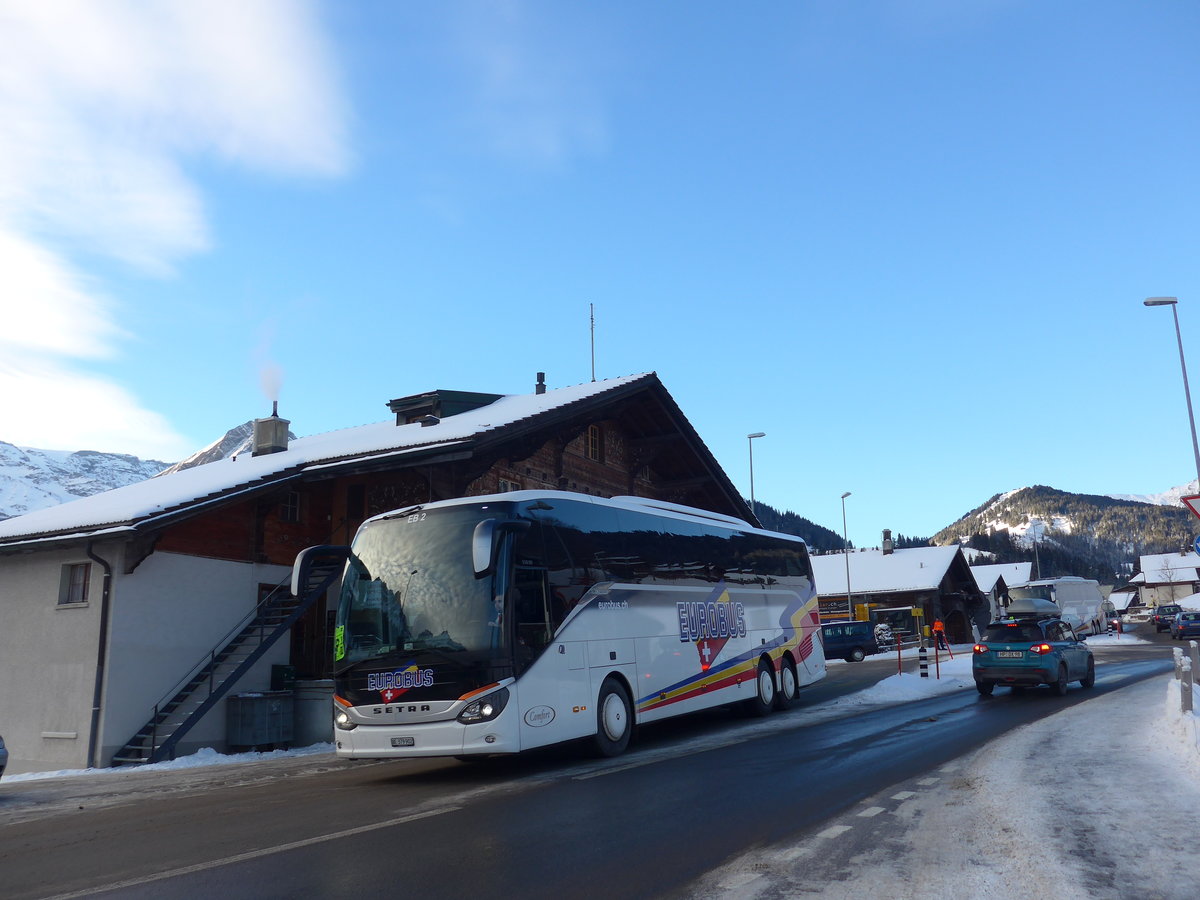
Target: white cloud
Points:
(50, 407)
(103, 104)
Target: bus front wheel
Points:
(614, 719)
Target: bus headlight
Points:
(341, 720)
(485, 708)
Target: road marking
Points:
(871, 811)
(928, 781)
(834, 831)
(254, 854)
(904, 795)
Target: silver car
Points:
(3, 757)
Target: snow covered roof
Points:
(876, 572)
(1013, 573)
(120, 509)
(1169, 568)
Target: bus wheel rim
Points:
(766, 687)
(614, 717)
(787, 682)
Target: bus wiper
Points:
(401, 513)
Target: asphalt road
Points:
(691, 795)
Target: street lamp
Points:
(846, 550)
(750, 443)
(1187, 394)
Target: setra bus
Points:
(491, 625)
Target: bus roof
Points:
(633, 504)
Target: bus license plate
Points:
(403, 742)
(1003, 654)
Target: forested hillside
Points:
(1072, 534)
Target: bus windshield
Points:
(410, 585)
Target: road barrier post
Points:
(1194, 653)
(937, 662)
(924, 654)
(1178, 654)
(899, 655)
(1185, 687)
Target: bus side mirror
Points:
(483, 547)
(484, 540)
(316, 568)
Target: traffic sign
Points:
(1196, 543)
(1192, 502)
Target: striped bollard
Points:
(924, 654)
(1185, 687)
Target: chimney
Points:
(271, 434)
(540, 387)
(888, 544)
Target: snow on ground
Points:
(198, 760)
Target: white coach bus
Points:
(492, 625)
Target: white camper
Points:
(1080, 599)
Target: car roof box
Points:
(1032, 606)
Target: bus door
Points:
(532, 612)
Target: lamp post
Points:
(846, 551)
(750, 443)
(1187, 394)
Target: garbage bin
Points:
(314, 712)
(262, 720)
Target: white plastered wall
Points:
(47, 662)
(166, 616)
(162, 618)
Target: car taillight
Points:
(980, 648)
(1041, 649)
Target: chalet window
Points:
(595, 443)
(73, 587)
(289, 509)
(507, 485)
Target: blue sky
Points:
(907, 240)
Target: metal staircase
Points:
(220, 669)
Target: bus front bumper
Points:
(429, 739)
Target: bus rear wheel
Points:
(614, 719)
(764, 691)
(787, 684)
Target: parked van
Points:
(1080, 600)
(851, 641)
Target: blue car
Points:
(1185, 625)
(1025, 651)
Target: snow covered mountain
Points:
(234, 442)
(34, 479)
(1166, 498)
(1077, 534)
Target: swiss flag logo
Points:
(390, 694)
(709, 649)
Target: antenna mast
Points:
(592, 316)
